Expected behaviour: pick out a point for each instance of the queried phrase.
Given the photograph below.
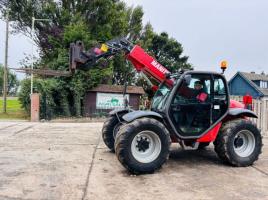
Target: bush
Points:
(53, 98)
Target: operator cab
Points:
(195, 104)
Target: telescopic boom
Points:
(79, 58)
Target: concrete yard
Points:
(69, 161)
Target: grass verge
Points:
(14, 110)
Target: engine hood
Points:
(236, 104)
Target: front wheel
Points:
(239, 143)
(142, 146)
(109, 130)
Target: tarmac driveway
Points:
(69, 161)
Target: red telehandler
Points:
(192, 108)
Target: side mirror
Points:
(187, 78)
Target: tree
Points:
(168, 52)
(92, 22)
(12, 84)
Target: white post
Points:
(259, 114)
(32, 34)
(5, 68)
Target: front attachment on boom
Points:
(79, 58)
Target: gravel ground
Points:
(69, 161)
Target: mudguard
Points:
(140, 113)
(242, 111)
(120, 110)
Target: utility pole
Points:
(32, 35)
(5, 67)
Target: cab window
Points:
(219, 98)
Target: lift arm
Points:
(134, 53)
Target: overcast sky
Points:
(209, 30)
(19, 47)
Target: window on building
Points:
(264, 84)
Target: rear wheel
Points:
(109, 130)
(239, 143)
(142, 146)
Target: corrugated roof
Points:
(118, 89)
(255, 77)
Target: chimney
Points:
(252, 72)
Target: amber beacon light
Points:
(224, 65)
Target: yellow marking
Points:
(104, 48)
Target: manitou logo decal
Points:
(159, 67)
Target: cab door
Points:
(191, 106)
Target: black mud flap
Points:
(140, 113)
(120, 110)
(242, 112)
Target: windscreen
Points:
(160, 97)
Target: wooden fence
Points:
(260, 107)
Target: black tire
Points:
(123, 145)
(203, 145)
(226, 143)
(108, 128)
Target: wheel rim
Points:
(146, 146)
(244, 143)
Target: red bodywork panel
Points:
(211, 135)
(148, 65)
(236, 104)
